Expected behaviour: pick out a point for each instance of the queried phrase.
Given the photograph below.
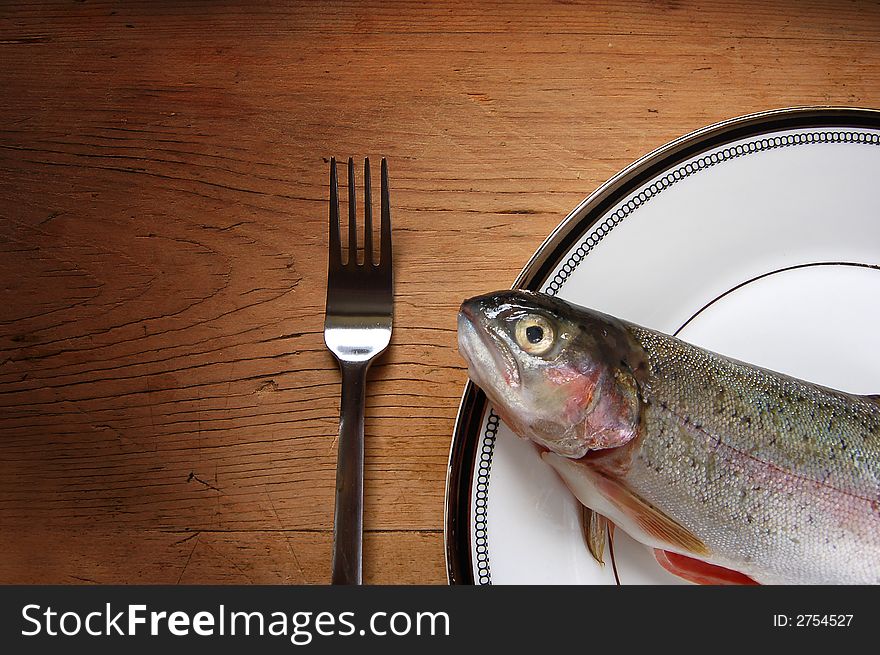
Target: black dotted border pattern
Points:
(481, 497)
(657, 187)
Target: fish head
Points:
(555, 373)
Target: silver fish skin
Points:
(688, 451)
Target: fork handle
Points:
(348, 520)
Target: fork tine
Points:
(352, 217)
(368, 214)
(385, 227)
(335, 244)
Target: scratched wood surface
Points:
(167, 407)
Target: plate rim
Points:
(472, 407)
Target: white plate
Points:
(758, 238)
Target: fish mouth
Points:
(479, 345)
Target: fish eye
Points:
(534, 334)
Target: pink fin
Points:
(693, 570)
(649, 518)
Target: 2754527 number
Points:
(823, 620)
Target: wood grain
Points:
(167, 406)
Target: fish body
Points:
(692, 453)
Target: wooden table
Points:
(167, 406)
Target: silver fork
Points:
(357, 329)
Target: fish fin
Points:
(595, 528)
(694, 570)
(650, 519)
(611, 550)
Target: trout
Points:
(732, 473)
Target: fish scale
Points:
(758, 459)
(813, 432)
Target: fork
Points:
(357, 329)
